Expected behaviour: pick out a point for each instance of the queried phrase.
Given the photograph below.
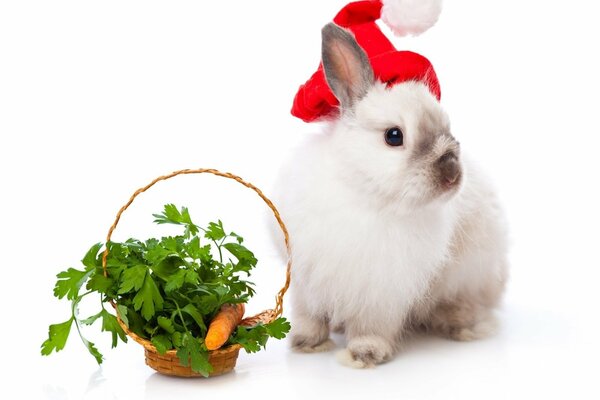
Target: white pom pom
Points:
(410, 17)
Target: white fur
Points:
(410, 17)
(373, 246)
(345, 357)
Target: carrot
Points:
(223, 324)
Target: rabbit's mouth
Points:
(447, 173)
(447, 187)
(444, 183)
(451, 184)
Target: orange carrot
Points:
(223, 324)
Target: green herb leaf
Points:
(148, 299)
(250, 338)
(122, 312)
(150, 329)
(166, 324)
(133, 279)
(91, 259)
(91, 347)
(91, 320)
(192, 353)
(193, 312)
(278, 328)
(177, 339)
(175, 281)
(57, 337)
(208, 303)
(246, 259)
(168, 266)
(171, 215)
(156, 252)
(110, 324)
(136, 322)
(196, 251)
(162, 343)
(254, 338)
(237, 237)
(69, 282)
(215, 231)
(100, 283)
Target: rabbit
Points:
(392, 228)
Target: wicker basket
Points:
(223, 360)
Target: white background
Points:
(98, 98)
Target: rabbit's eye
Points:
(394, 137)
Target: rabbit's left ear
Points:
(346, 65)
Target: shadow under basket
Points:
(222, 360)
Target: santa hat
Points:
(315, 100)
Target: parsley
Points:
(166, 290)
(252, 339)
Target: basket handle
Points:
(278, 311)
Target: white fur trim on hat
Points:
(410, 17)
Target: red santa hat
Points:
(315, 100)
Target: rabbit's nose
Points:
(449, 169)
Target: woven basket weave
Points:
(223, 360)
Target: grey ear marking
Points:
(347, 68)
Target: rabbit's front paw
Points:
(311, 344)
(310, 335)
(463, 321)
(366, 352)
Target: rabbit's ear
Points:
(346, 65)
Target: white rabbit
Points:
(391, 227)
